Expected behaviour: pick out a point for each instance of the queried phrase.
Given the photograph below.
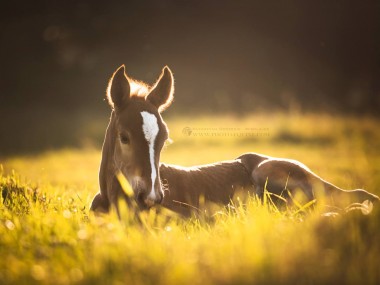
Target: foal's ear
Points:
(118, 90)
(161, 94)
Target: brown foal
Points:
(133, 142)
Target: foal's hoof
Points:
(365, 207)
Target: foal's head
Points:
(140, 131)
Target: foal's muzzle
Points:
(145, 202)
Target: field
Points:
(48, 236)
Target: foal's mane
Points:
(139, 89)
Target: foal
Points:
(134, 139)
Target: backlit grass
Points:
(48, 236)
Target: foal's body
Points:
(215, 182)
(251, 172)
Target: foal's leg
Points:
(100, 204)
(292, 176)
(283, 179)
(343, 198)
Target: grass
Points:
(48, 236)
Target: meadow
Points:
(48, 235)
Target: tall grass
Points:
(48, 236)
(53, 239)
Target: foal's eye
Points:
(124, 139)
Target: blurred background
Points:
(235, 57)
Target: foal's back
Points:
(216, 182)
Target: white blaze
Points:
(150, 129)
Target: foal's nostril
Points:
(145, 201)
(141, 196)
